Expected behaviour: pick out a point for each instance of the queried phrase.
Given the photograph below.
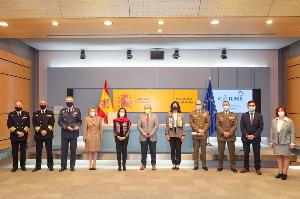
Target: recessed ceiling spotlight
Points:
(159, 30)
(161, 22)
(3, 23)
(214, 22)
(269, 21)
(55, 23)
(107, 23)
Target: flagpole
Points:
(208, 142)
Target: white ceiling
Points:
(156, 42)
(15, 9)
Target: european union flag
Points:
(210, 106)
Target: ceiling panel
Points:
(285, 8)
(210, 8)
(164, 8)
(93, 8)
(12, 9)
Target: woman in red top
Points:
(121, 131)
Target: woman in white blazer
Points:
(282, 140)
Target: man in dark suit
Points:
(18, 123)
(251, 125)
(43, 123)
(70, 121)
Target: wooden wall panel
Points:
(14, 58)
(293, 92)
(296, 120)
(4, 132)
(15, 84)
(293, 95)
(13, 69)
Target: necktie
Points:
(147, 119)
(251, 117)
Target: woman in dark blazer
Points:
(121, 127)
(282, 139)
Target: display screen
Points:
(238, 99)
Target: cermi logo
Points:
(233, 98)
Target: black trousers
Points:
(256, 151)
(15, 145)
(175, 144)
(121, 147)
(39, 148)
(144, 149)
(64, 151)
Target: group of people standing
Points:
(282, 135)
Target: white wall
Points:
(188, 58)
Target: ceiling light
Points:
(161, 22)
(82, 54)
(55, 23)
(108, 23)
(269, 21)
(214, 22)
(3, 23)
(159, 30)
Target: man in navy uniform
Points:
(43, 123)
(70, 121)
(18, 123)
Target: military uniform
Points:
(69, 117)
(199, 120)
(226, 122)
(18, 121)
(43, 120)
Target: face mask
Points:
(122, 114)
(43, 107)
(69, 104)
(281, 114)
(226, 108)
(198, 107)
(147, 111)
(251, 109)
(18, 108)
(93, 113)
(175, 108)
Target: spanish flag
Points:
(105, 105)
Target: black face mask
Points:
(175, 108)
(18, 108)
(43, 107)
(69, 104)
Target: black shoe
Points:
(205, 168)
(220, 169)
(233, 170)
(62, 169)
(23, 169)
(283, 177)
(196, 168)
(72, 169)
(51, 169)
(14, 170)
(124, 168)
(36, 169)
(119, 169)
(91, 169)
(279, 175)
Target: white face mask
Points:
(93, 113)
(122, 114)
(281, 114)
